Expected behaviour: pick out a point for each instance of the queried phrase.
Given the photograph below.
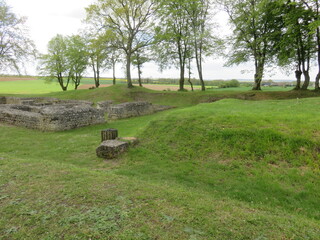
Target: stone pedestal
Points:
(109, 134)
(111, 149)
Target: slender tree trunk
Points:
(128, 68)
(199, 67)
(189, 74)
(306, 80)
(94, 74)
(305, 71)
(114, 72)
(189, 80)
(182, 66)
(258, 76)
(181, 82)
(98, 78)
(139, 75)
(317, 87)
(298, 74)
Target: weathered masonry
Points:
(48, 114)
(51, 114)
(129, 109)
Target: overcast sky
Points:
(46, 18)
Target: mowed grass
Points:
(28, 87)
(231, 169)
(41, 86)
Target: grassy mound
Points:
(231, 169)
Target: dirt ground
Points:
(149, 86)
(11, 79)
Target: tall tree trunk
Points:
(94, 73)
(298, 74)
(199, 67)
(189, 74)
(317, 87)
(181, 81)
(198, 55)
(113, 72)
(60, 80)
(98, 78)
(128, 68)
(258, 76)
(139, 75)
(306, 80)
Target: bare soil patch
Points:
(149, 86)
(11, 79)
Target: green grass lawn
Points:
(28, 87)
(231, 169)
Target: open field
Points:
(32, 85)
(228, 169)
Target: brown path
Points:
(10, 79)
(149, 86)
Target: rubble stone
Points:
(110, 149)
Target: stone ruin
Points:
(51, 114)
(129, 109)
(48, 114)
(112, 146)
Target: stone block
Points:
(111, 149)
(109, 134)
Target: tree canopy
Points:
(16, 48)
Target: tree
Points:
(203, 41)
(114, 56)
(296, 43)
(257, 29)
(128, 20)
(77, 58)
(314, 7)
(138, 59)
(97, 56)
(65, 61)
(54, 64)
(15, 46)
(174, 36)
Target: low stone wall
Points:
(49, 114)
(42, 101)
(104, 106)
(3, 100)
(130, 109)
(52, 114)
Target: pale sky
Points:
(46, 18)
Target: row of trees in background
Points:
(174, 32)
(281, 32)
(177, 34)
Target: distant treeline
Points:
(195, 82)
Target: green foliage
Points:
(256, 31)
(16, 48)
(66, 60)
(130, 24)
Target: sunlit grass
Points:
(231, 169)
